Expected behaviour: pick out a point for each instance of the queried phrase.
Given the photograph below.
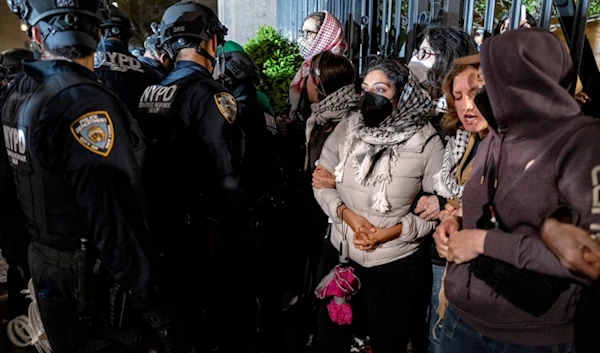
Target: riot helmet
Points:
(239, 66)
(187, 24)
(62, 23)
(11, 62)
(116, 23)
(152, 44)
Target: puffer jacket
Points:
(420, 158)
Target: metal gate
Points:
(389, 27)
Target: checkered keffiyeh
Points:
(363, 143)
(330, 37)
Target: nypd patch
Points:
(227, 106)
(94, 131)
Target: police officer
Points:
(14, 237)
(195, 178)
(119, 69)
(263, 184)
(10, 64)
(69, 144)
(155, 57)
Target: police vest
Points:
(47, 198)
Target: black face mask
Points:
(375, 108)
(482, 101)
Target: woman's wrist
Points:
(341, 209)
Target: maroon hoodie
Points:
(548, 155)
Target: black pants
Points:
(55, 295)
(17, 280)
(395, 298)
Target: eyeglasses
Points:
(424, 53)
(306, 34)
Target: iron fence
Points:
(390, 27)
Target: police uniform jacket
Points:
(124, 74)
(74, 168)
(155, 68)
(194, 165)
(261, 171)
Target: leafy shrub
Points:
(278, 59)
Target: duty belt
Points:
(64, 259)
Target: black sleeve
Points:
(14, 237)
(104, 177)
(224, 142)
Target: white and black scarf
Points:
(333, 108)
(445, 182)
(373, 151)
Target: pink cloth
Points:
(330, 37)
(340, 283)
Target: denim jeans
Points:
(457, 336)
(434, 342)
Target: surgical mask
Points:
(420, 69)
(305, 46)
(100, 54)
(375, 108)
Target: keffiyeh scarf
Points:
(330, 37)
(342, 100)
(445, 182)
(373, 151)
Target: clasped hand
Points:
(458, 246)
(366, 235)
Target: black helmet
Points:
(152, 43)
(186, 24)
(11, 62)
(239, 65)
(62, 22)
(116, 23)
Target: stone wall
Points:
(243, 17)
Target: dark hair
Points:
(334, 71)
(71, 53)
(75, 51)
(394, 69)
(319, 17)
(530, 20)
(448, 43)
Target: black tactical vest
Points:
(46, 197)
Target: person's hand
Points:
(582, 98)
(282, 122)
(573, 246)
(367, 239)
(362, 241)
(465, 245)
(450, 225)
(323, 179)
(428, 208)
(356, 222)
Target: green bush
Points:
(277, 59)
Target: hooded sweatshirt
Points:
(547, 155)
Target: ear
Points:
(99, 35)
(214, 44)
(36, 36)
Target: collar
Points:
(186, 68)
(116, 46)
(42, 69)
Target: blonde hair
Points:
(451, 122)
